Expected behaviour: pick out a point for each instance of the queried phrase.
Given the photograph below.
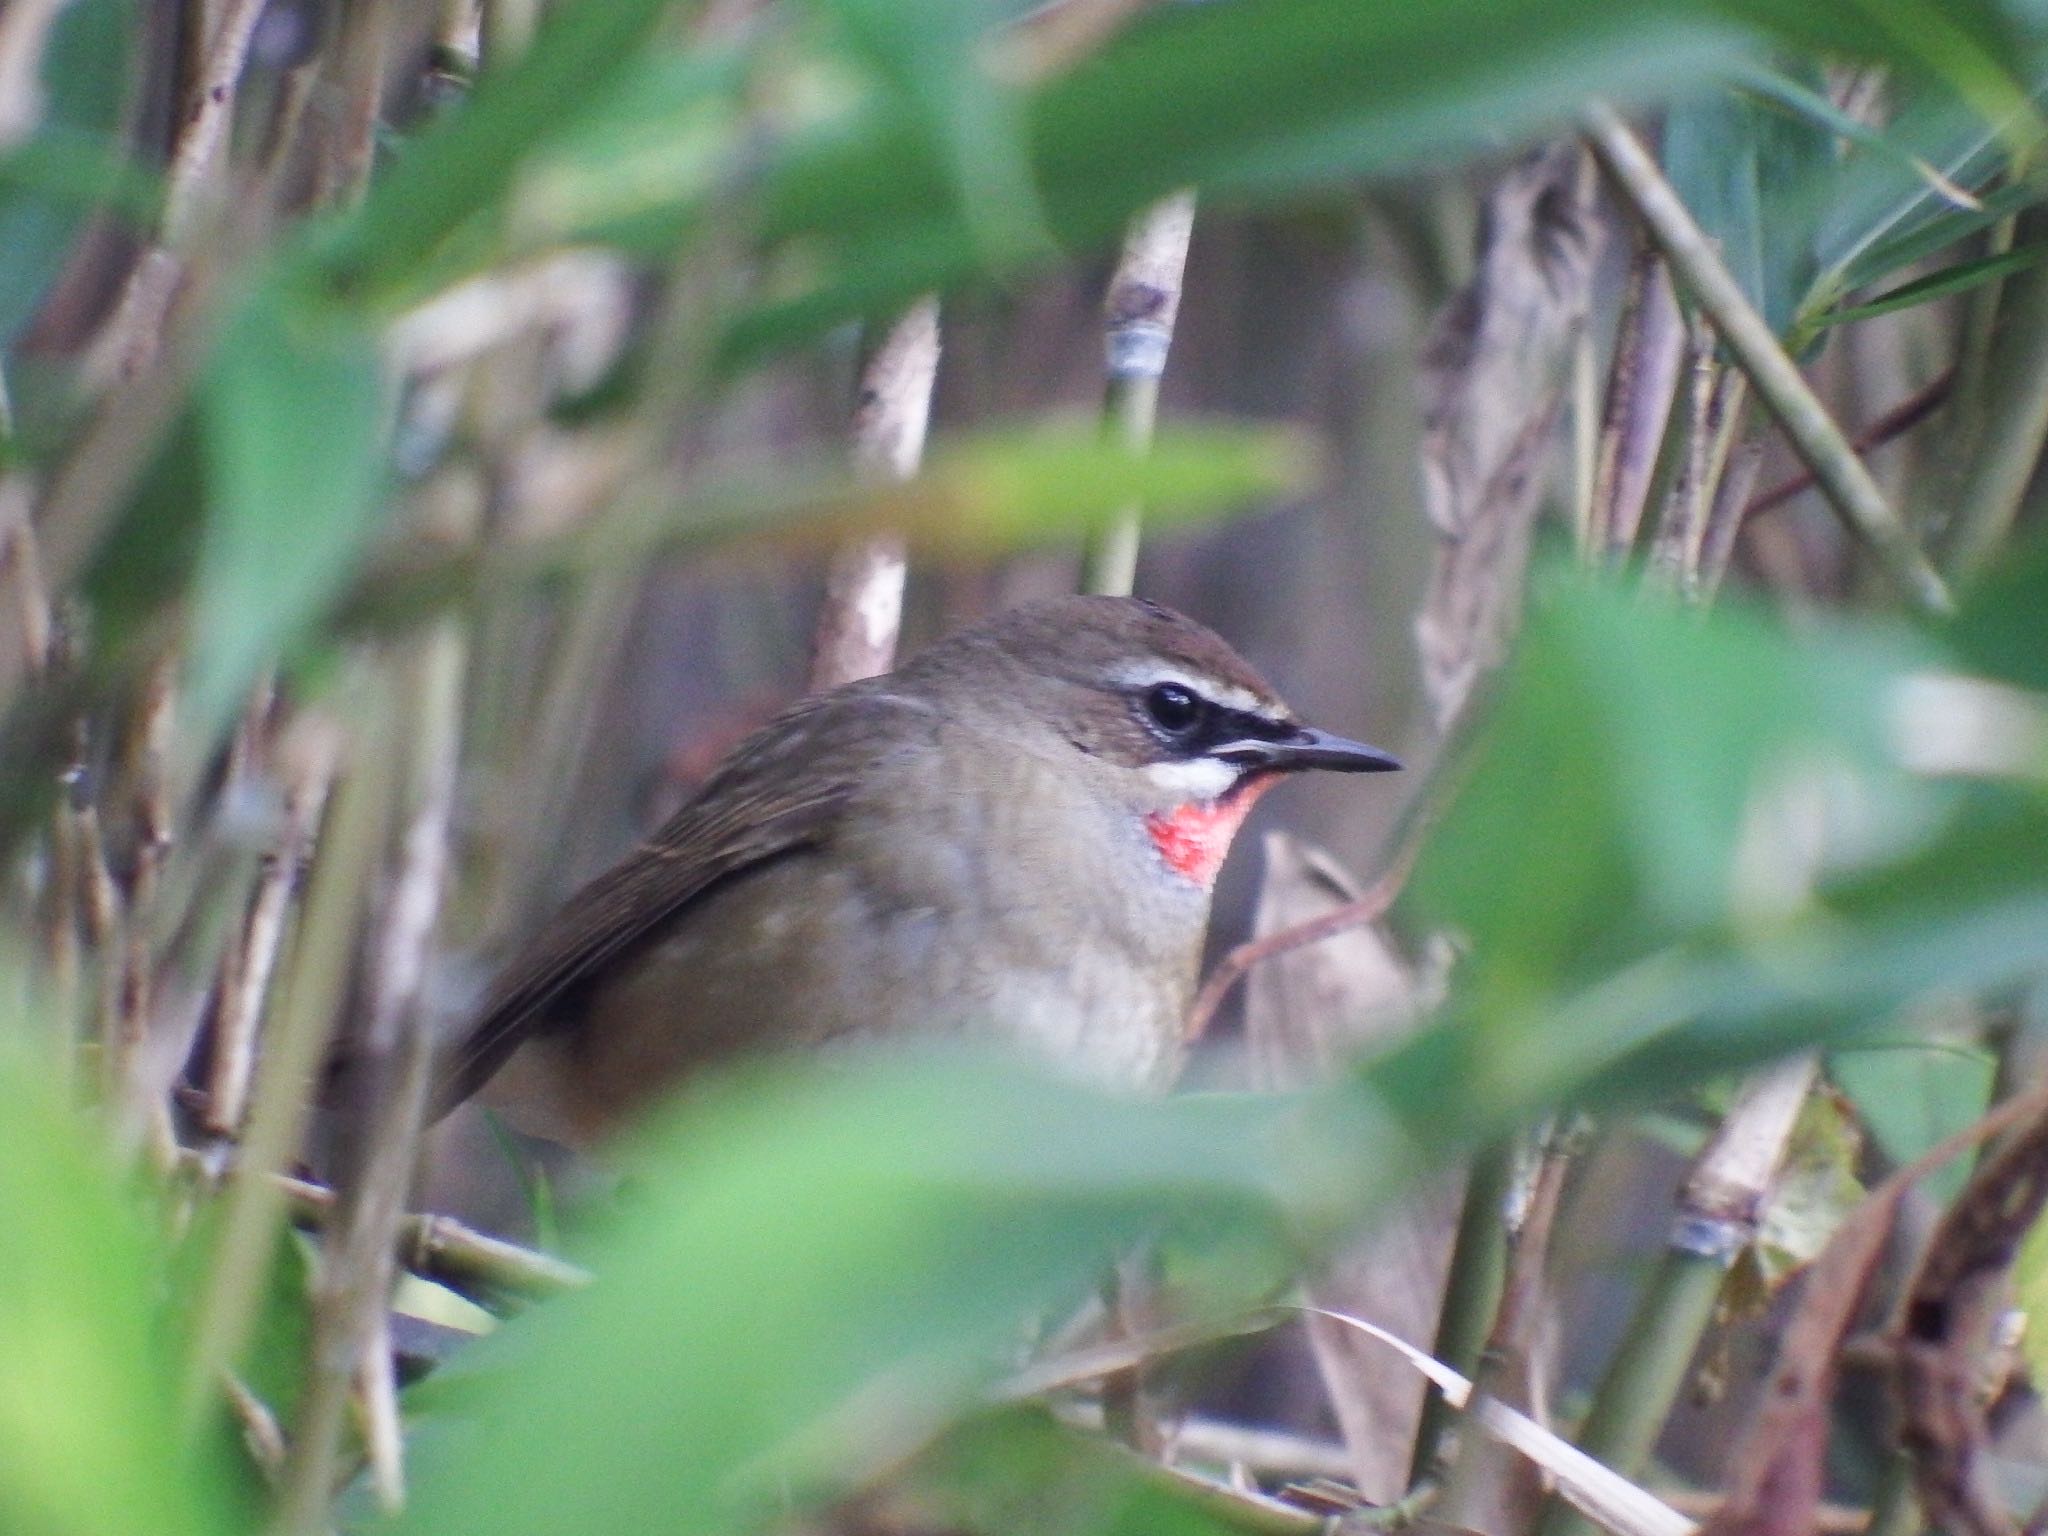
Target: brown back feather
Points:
(749, 813)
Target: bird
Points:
(1012, 839)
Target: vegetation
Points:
(374, 374)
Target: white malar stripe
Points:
(1197, 778)
(1151, 674)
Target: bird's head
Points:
(1148, 708)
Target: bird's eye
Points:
(1173, 709)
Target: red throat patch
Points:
(1194, 838)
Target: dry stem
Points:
(862, 612)
(1139, 314)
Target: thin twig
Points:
(438, 1247)
(21, 569)
(260, 1431)
(1139, 313)
(251, 956)
(1840, 474)
(1488, 1489)
(1684, 518)
(2007, 446)
(1724, 518)
(1368, 908)
(383, 1427)
(148, 753)
(1900, 419)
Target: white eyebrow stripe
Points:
(1151, 674)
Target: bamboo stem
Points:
(862, 613)
(2015, 423)
(1641, 383)
(393, 1058)
(294, 1044)
(1715, 1221)
(1840, 474)
(1139, 313)
(1471, 1295)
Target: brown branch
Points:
(1774, 1483)
(1368, 908)
(1900, 419)
(1945, 1331)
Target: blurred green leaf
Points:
(931, 52)
(467, 162)
(976, 496)
(1960, 278)
(1753, 177)
(1242, 100)
(292, 422)
(2002, 628)
(84, 79)
(821, 1268)
(88, 1446)
(1021, 1473)
(1635, 748)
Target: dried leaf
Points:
(1494, 379)
(1306, 1011)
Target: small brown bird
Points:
(1012, 837)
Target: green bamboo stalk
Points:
(1840, 474)
(1715, 1221)
(1472, 1294)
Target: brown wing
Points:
(752, 811)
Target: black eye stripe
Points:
(1190, 726)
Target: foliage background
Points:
(425, 434)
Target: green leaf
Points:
(1248, 102)
(976, 496)
(1635, 748)
(1939, 232)
(1960, 278)
(820, 1268)
(292, 418)
(2002, 627)
(1754, 178)
(1881, 210)
(88, 1443)
(931, 52)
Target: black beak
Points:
(1308, 748)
